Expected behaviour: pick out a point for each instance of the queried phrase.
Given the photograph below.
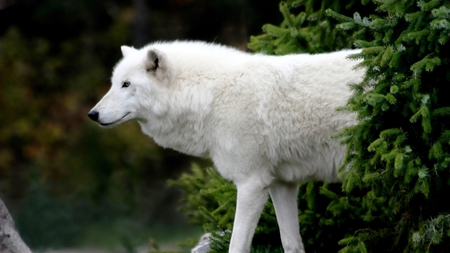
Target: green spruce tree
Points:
(399, 153)
(393, 195)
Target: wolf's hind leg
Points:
(284, 198)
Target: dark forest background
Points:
(64, 178)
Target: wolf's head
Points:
(138, 88)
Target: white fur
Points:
(265, 121)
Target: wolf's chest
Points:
(188, 137)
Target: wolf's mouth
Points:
(114, 122)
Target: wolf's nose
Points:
(93, 115)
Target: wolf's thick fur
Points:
(265, 121)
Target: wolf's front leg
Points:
(251, 197)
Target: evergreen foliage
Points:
(307, 29)
(193, 184)
(393, 198)
(399, 152)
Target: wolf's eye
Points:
(125, 84)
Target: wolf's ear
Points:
(156, 62)
(126, 50)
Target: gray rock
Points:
(203, 244)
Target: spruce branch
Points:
(339, 17)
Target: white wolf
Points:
(265, 121)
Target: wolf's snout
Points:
(93, 115)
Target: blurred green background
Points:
(67, 182)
